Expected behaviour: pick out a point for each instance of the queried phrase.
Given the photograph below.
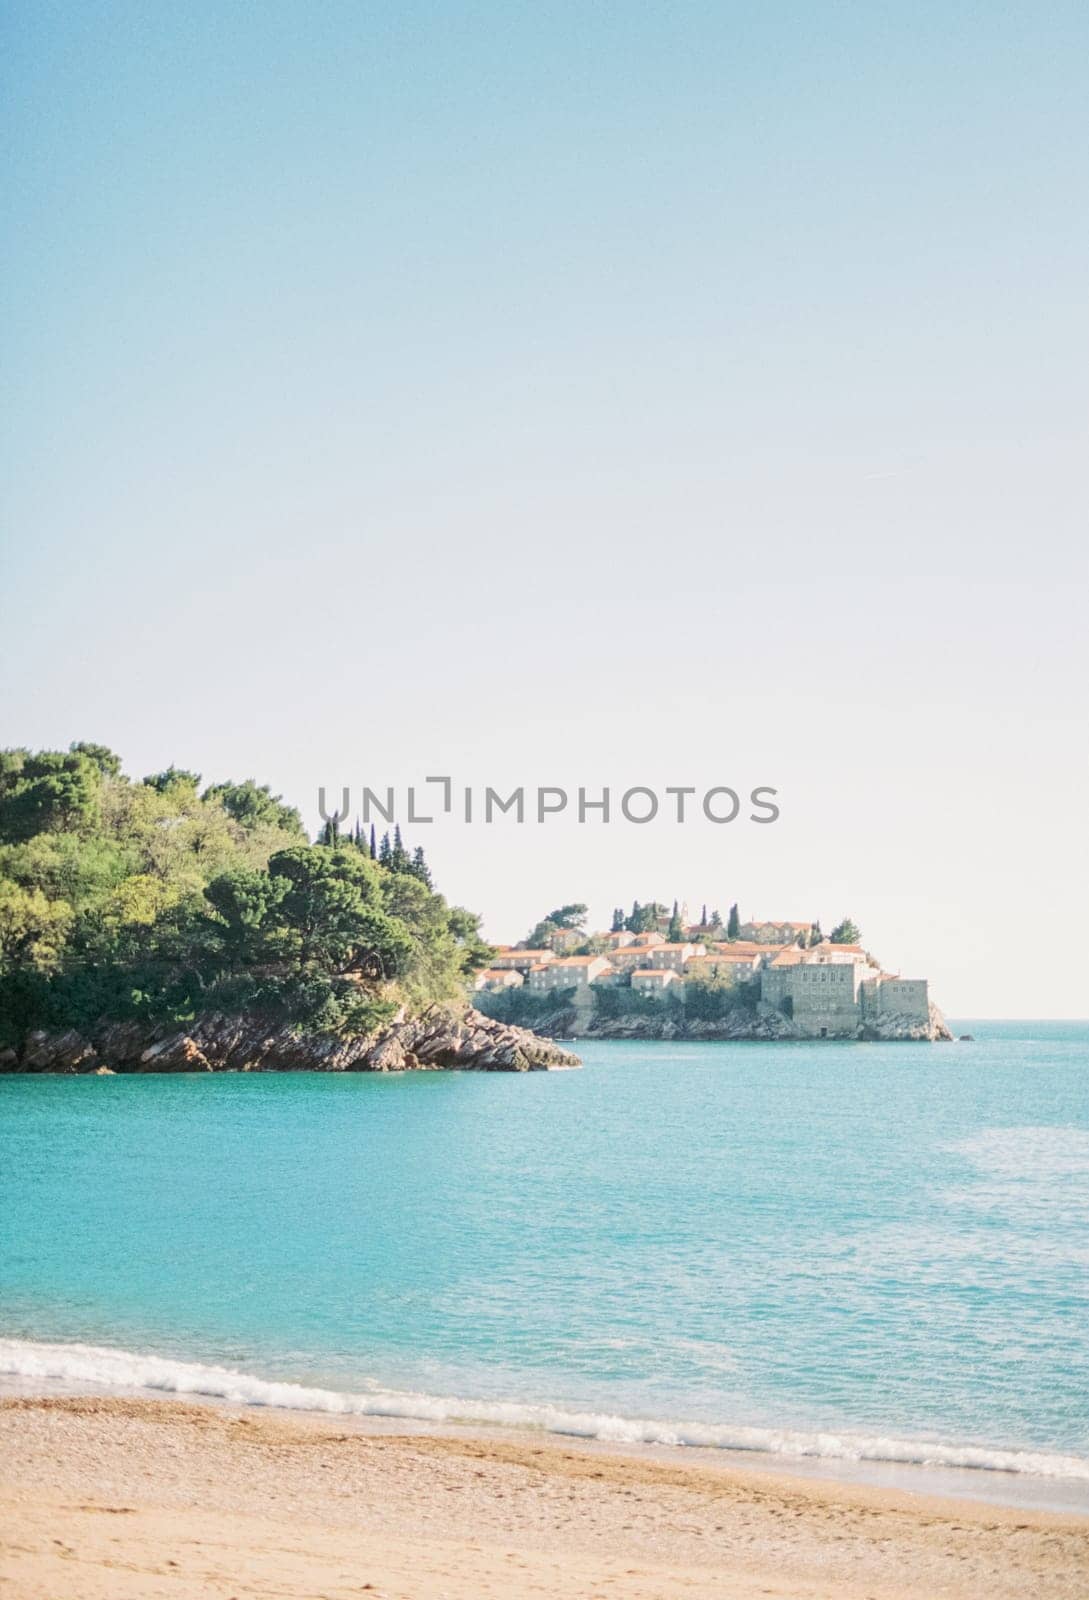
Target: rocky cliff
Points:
(766, 1023)
(763, 1023)
(440, 1039)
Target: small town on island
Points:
(655, 974)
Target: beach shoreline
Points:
(110, 1496)
(1019, 1478)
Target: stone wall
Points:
(905, 997)
(825, 999)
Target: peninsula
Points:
(155, 926)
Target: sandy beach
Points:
(141, 1499)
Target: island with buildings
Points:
(659, 976)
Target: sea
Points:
(847, 1256)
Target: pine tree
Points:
(418, 866)
(733, 926)
(384, 851)
(633, 922)
(716, 922)
(374, 844)
(399, 855)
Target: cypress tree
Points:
(733, 926)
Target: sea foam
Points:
(78, 1366)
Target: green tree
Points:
(733, 924)
(645, 919)
(51, 790)
(565, 919)
(247, 905)
(100, 756)
(473, 951)
(846, 932)
(618, 920)
(32, 929)
(676, 934)
(418, 867)
(398, 856)
(331, 909)
(253, 805)
(174, 781)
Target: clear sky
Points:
(588, 393)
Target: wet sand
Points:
(142, 1499)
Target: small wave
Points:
(123, 1370)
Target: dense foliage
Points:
(153, 900)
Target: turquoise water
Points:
(816, 1247)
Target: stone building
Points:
(833, 990)
(889, 995)
(631, 956)
(520, 960)
(496, 979)
(775, 932)
(656, 981)
(673, 956)
(567, 972)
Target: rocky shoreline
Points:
(440, 1039)
(765, 1024)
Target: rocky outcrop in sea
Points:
(438, 1040)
